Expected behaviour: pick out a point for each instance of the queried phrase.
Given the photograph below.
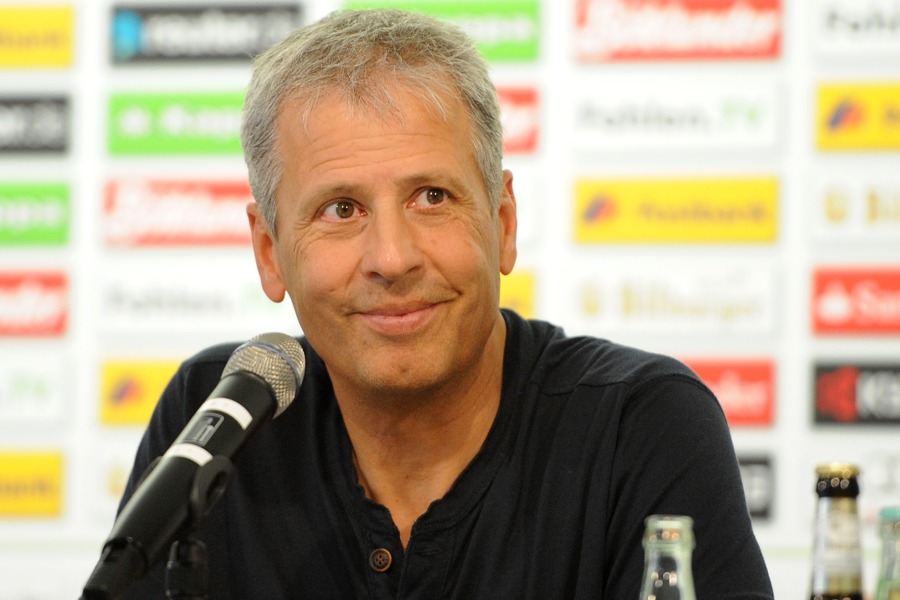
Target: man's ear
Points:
(507, 224)
(267, 263)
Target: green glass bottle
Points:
(668, 548)
(837, 556)
(889, 572)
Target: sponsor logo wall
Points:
(716, 180)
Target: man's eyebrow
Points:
(353, 190)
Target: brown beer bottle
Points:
(837, 556)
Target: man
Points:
(440, 447)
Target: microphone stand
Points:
(187, 572)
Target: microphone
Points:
(260, 380)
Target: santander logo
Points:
(744, 387)
(519, 116)
(856, 301)
(651, 29)
(32, 304)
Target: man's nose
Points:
(392, 248)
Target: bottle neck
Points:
(667, 572)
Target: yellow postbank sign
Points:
(130, 390)
(738, 210)
(858, 116)
(517, 293)
(31, 484)
(36, 36)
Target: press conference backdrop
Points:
(713, 179)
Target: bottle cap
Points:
(837, 469)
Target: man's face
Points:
(387, 245)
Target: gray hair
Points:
(361, 55)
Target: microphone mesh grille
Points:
(275, 357)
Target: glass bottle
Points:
(889, 573)
(668, 547)
(837, 556)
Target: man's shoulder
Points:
(563, 362)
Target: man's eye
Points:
(342, 209)
(434, 195)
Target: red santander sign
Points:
(176, 213)
(611, 30)
(745, 388)
(519, 114)
(856, 300)
(33, 304)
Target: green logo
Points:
(175, 123)
(503, 30)
(34, 214)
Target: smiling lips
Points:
(399, 319)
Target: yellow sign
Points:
(36, 36)
(31, 484)
(676, 210)
(858, 116)
(130, 390)
(517, 293)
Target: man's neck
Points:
(409, 453)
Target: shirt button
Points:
(380, 560)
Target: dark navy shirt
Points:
(590, 438)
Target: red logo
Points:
(856, 300)
(836, 394)
(864, 393)
(745, 388)
(32, 304)
(519, 114)
(609, 30)
(176, 213)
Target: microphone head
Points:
(278, 359)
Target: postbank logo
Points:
(33, 303)
(36, 36)
(745, 388)
(503, 31)
(856, 300)
(611, 30)
(517, 292)
(676, 210)
(130, 390)
(853, 392)
(31, 484)
(34, 214)
(520, 118)
(214, 32)
(858, 116)
(176, 213)
(175, 123)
